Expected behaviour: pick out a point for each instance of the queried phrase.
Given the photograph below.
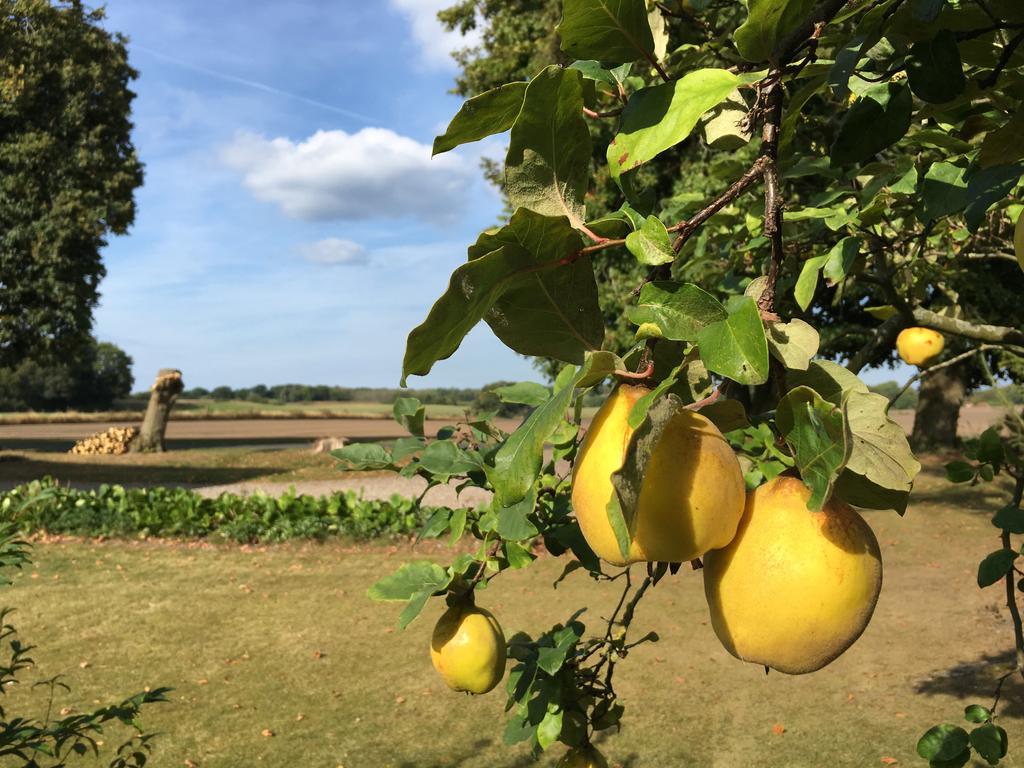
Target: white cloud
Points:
(374, 173)
(333, 251)
(436, 43)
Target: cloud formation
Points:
(334, 175)
(335, 252)
(436, 43)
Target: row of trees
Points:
(92, 378)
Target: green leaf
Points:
(934, 70)
(793, 343)
(517, 462)
(523, 393)
(1004, 144)
(628, 479)
(360, 456)
(551, 658)
(443, 457)
(1010, 518)
(659, 117)
(815, 430)
(995, 566)
(606, 30)
(522, 285)
(990, 447)
(942, 191)
(877, 120)
(736, 347)
(727, 415)
(651, 244)
(926, 11)
(513, 521)
(840, 260)
(679, 310)
(517, 555)
(828, 379)
(550, 728)
(987, 186)
(960, 472)
(404, 447)
(807, 282)
(409, 412)
(768, 22)
(942, 742)
(599, 366)
(409, 579)
(990, 742)
(547, 167)
(975, 713)
(880, 451)
(492, 112)
(619, 524)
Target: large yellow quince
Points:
(582, 757)
(692, 495)
(795, 588)
(468, 649)
(1018, 239)
(919, 345)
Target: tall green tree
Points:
(68, 170)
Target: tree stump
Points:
(163, 394)
(938, 409)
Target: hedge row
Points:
(114, 511)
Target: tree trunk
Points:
(163, 394)
(938, 409)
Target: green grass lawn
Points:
(282, 638)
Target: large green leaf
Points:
(1004, 145)
(768, 22)
(527, 282)
(942, 742)
(659, 117)
(523, 393)
(736, 347)
(934, 70)
(679, 310)
(986, 187)
(443, 457)
(793, 343)
(880, 451)
(547, 168)
(550, 313)
(414, 582)
(995, 566)
(816, 432)
(878, 119)
(410, 413)
(828, 379)
(942, 191)
(493, 111)
(606, 30)
(518, 461)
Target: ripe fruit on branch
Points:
(917, 346)
(692, 495)
(795, 588)
(468, 649)
(583, 757)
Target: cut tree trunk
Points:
(940, 397)
(163, 394)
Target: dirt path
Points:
(371, 487)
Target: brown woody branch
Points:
(939, 366)
(993, 334)
(773, 204)
(1011, 597)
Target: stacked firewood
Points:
(111, 442)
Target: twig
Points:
(706, 401)
(1004, 59)
(772, 195)
(686, 228)
(938, 367)
(610, 113)
(640, 375)
(1011, 597)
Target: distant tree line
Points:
(92, 378)
(309, 393)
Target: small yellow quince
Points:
(917, 346)
(468, 649)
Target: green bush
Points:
(115, 511)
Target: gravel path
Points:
(372, 487)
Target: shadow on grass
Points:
(470, 758)
(16, 469)
(975, 681)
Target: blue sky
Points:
(292, 226)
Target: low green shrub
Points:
(44, 506)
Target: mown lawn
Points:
(282, 639)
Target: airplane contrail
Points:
(256, 85)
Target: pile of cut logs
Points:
(111, 442)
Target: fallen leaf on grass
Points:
(267, 732)
(778, 729)
(889, 760)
